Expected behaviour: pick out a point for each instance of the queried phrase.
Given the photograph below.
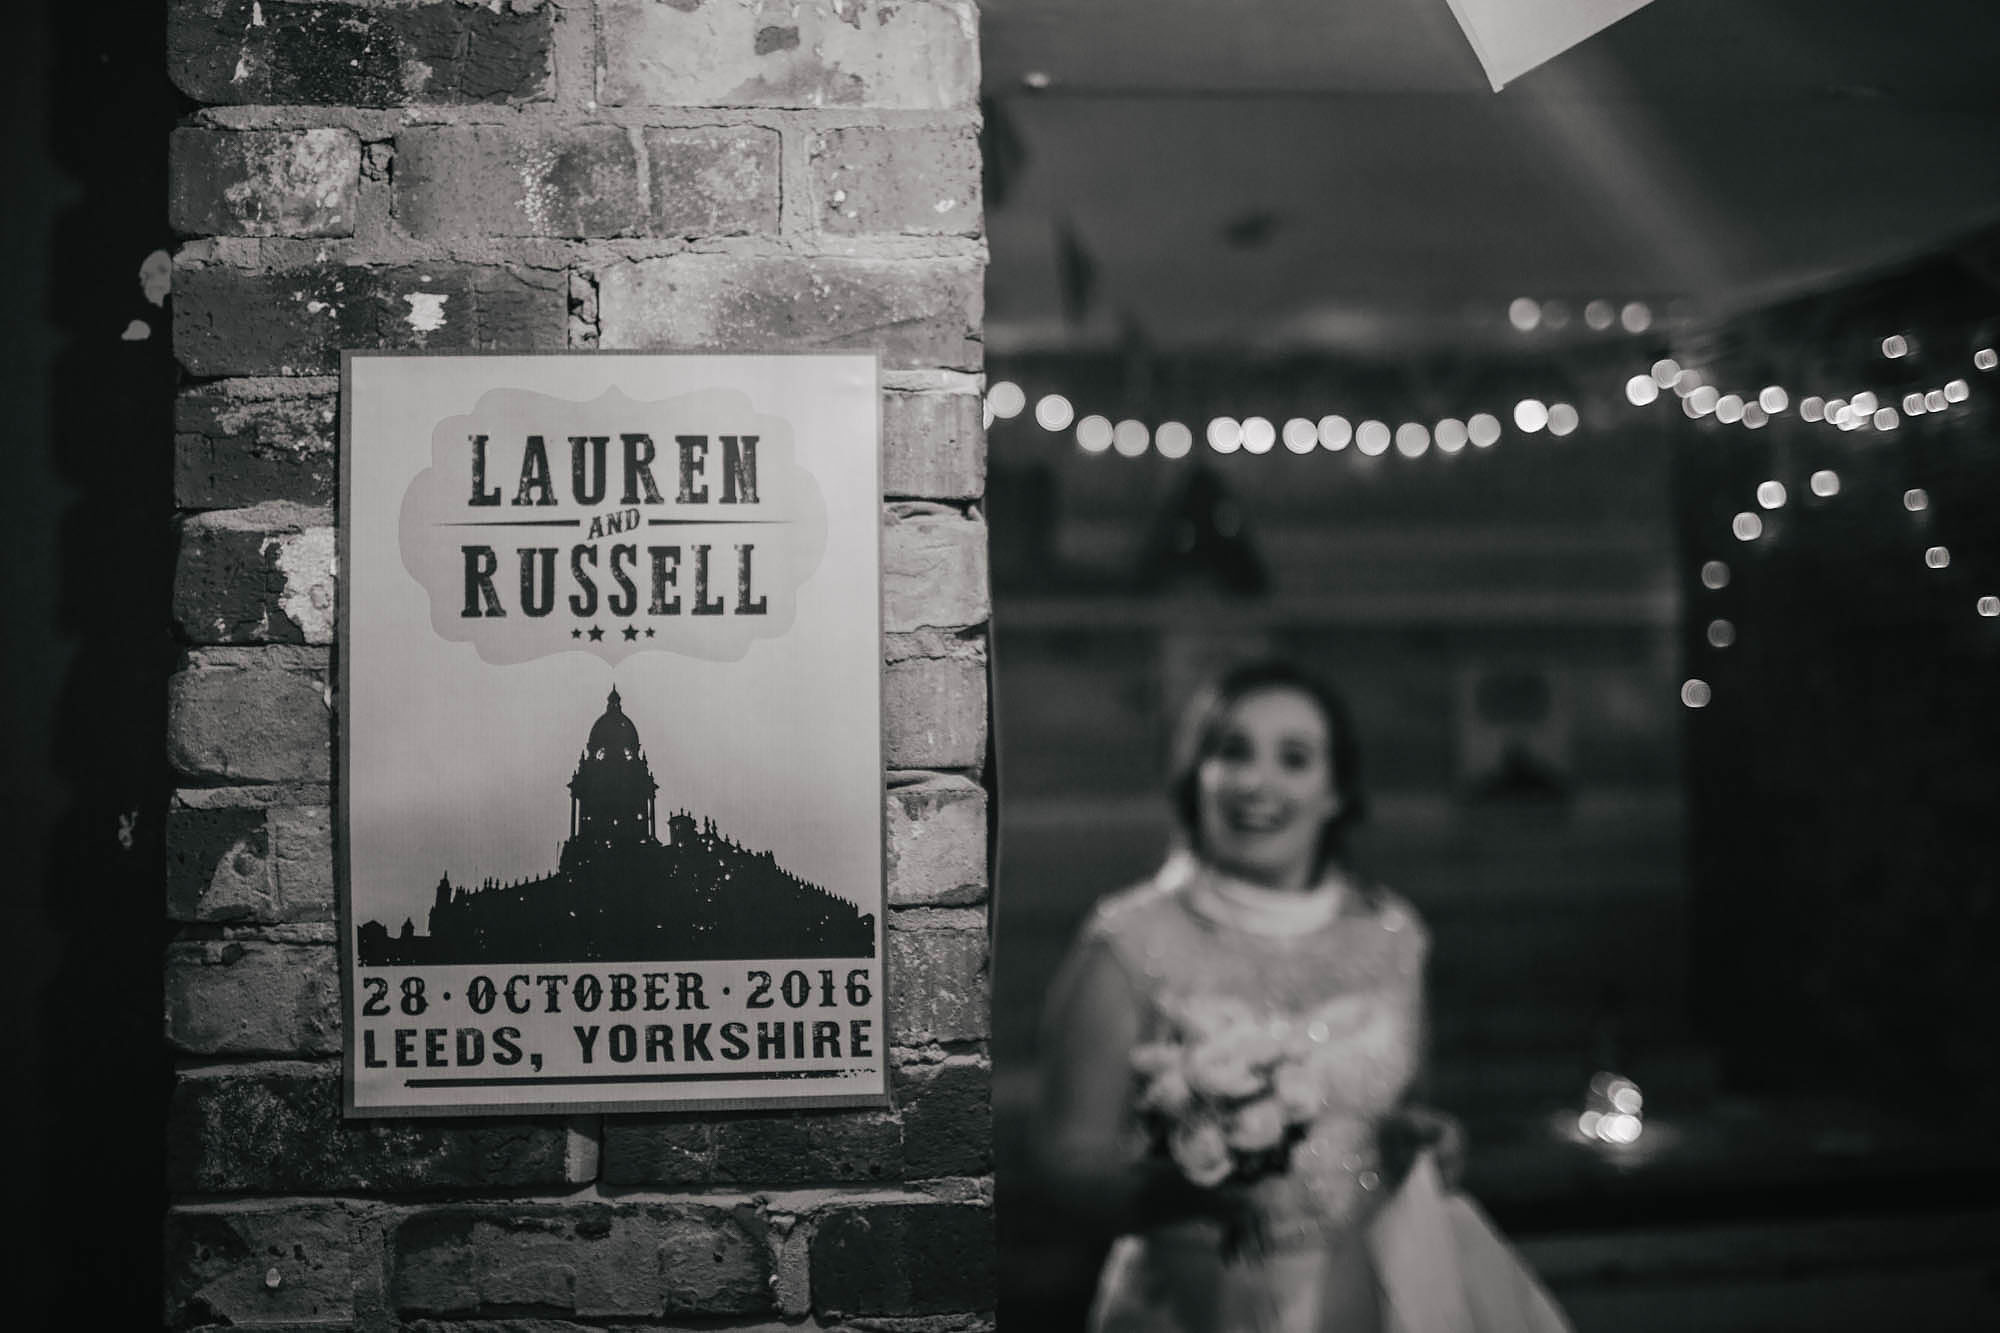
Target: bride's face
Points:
(1265, 790)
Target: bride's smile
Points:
(1265, 791)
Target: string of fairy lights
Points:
(1666, 380)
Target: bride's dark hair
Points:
(1196, 736)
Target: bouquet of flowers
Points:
(1229, 1091)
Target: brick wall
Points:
(527, 175)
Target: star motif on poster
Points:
(631, 633)
(576, 634)
(596, 634)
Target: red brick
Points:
(933, 446)
(938, 984)
(947, 1111)
(244, 715)
(903, 1259)
(658, 1150)
(936, 843)
(713, 182)
(808, 1148)
(914, 312)
(875, 53)
(357, 54)
(263, 182)
(934, 712)
(219, 866)
(262, 575)
(234, 1264)
(242, 864)
(250, 997)
(495, 180)
(933, 569)
(924, 181)
(230, 321)
(237, 444)
(625, 1261)
(276, 1128)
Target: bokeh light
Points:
(1813, 408)
(1636, 317)
(1225, 435)
(1372, 438)
(1053, 412)
(1729, 408)
(1006, 399)
(1301, 436)
(1916, 499)
(1747, 526)
(1695, 693)
(1412, 439)
(1754, 415)
(1524, 313)
(1895, 346)
(1886, 418)
(1562, 419)
(1483, 429)
(1641, 390)
(1130, 438)
(1714, 574)
(1173, 439)
(1703, 400)
(1450, 435)
(1771, 494)
(1600, 315)
(1258, 435)
(1665, 371)
(1773, 399)
(1530, 415)
(1985, 358)
(1335, 433)
(1825, 484)
(1721, 633)
(1989, 606)
(1937, 557)
(1957, 391)
(1934, 401)
(1094, 433)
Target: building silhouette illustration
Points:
(620, 893)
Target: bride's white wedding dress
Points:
(1342, 1249)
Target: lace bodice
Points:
(1352, 984)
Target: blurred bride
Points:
(1228, 1053)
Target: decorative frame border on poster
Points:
(610, 782)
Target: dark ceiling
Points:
(1297, 173)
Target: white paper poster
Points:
(610, 732)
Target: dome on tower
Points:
(613, 736)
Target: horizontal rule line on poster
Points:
(550, 1080)
(651, 523)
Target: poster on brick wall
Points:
(611, 788)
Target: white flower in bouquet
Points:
(1205, 1018)
(1257, 1126)
(1219, 1070)
(1167, 1093)
(1199, 1148)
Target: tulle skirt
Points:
(1429, 1262)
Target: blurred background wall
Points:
(1673, 680)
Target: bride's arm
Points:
(1092, 1022)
